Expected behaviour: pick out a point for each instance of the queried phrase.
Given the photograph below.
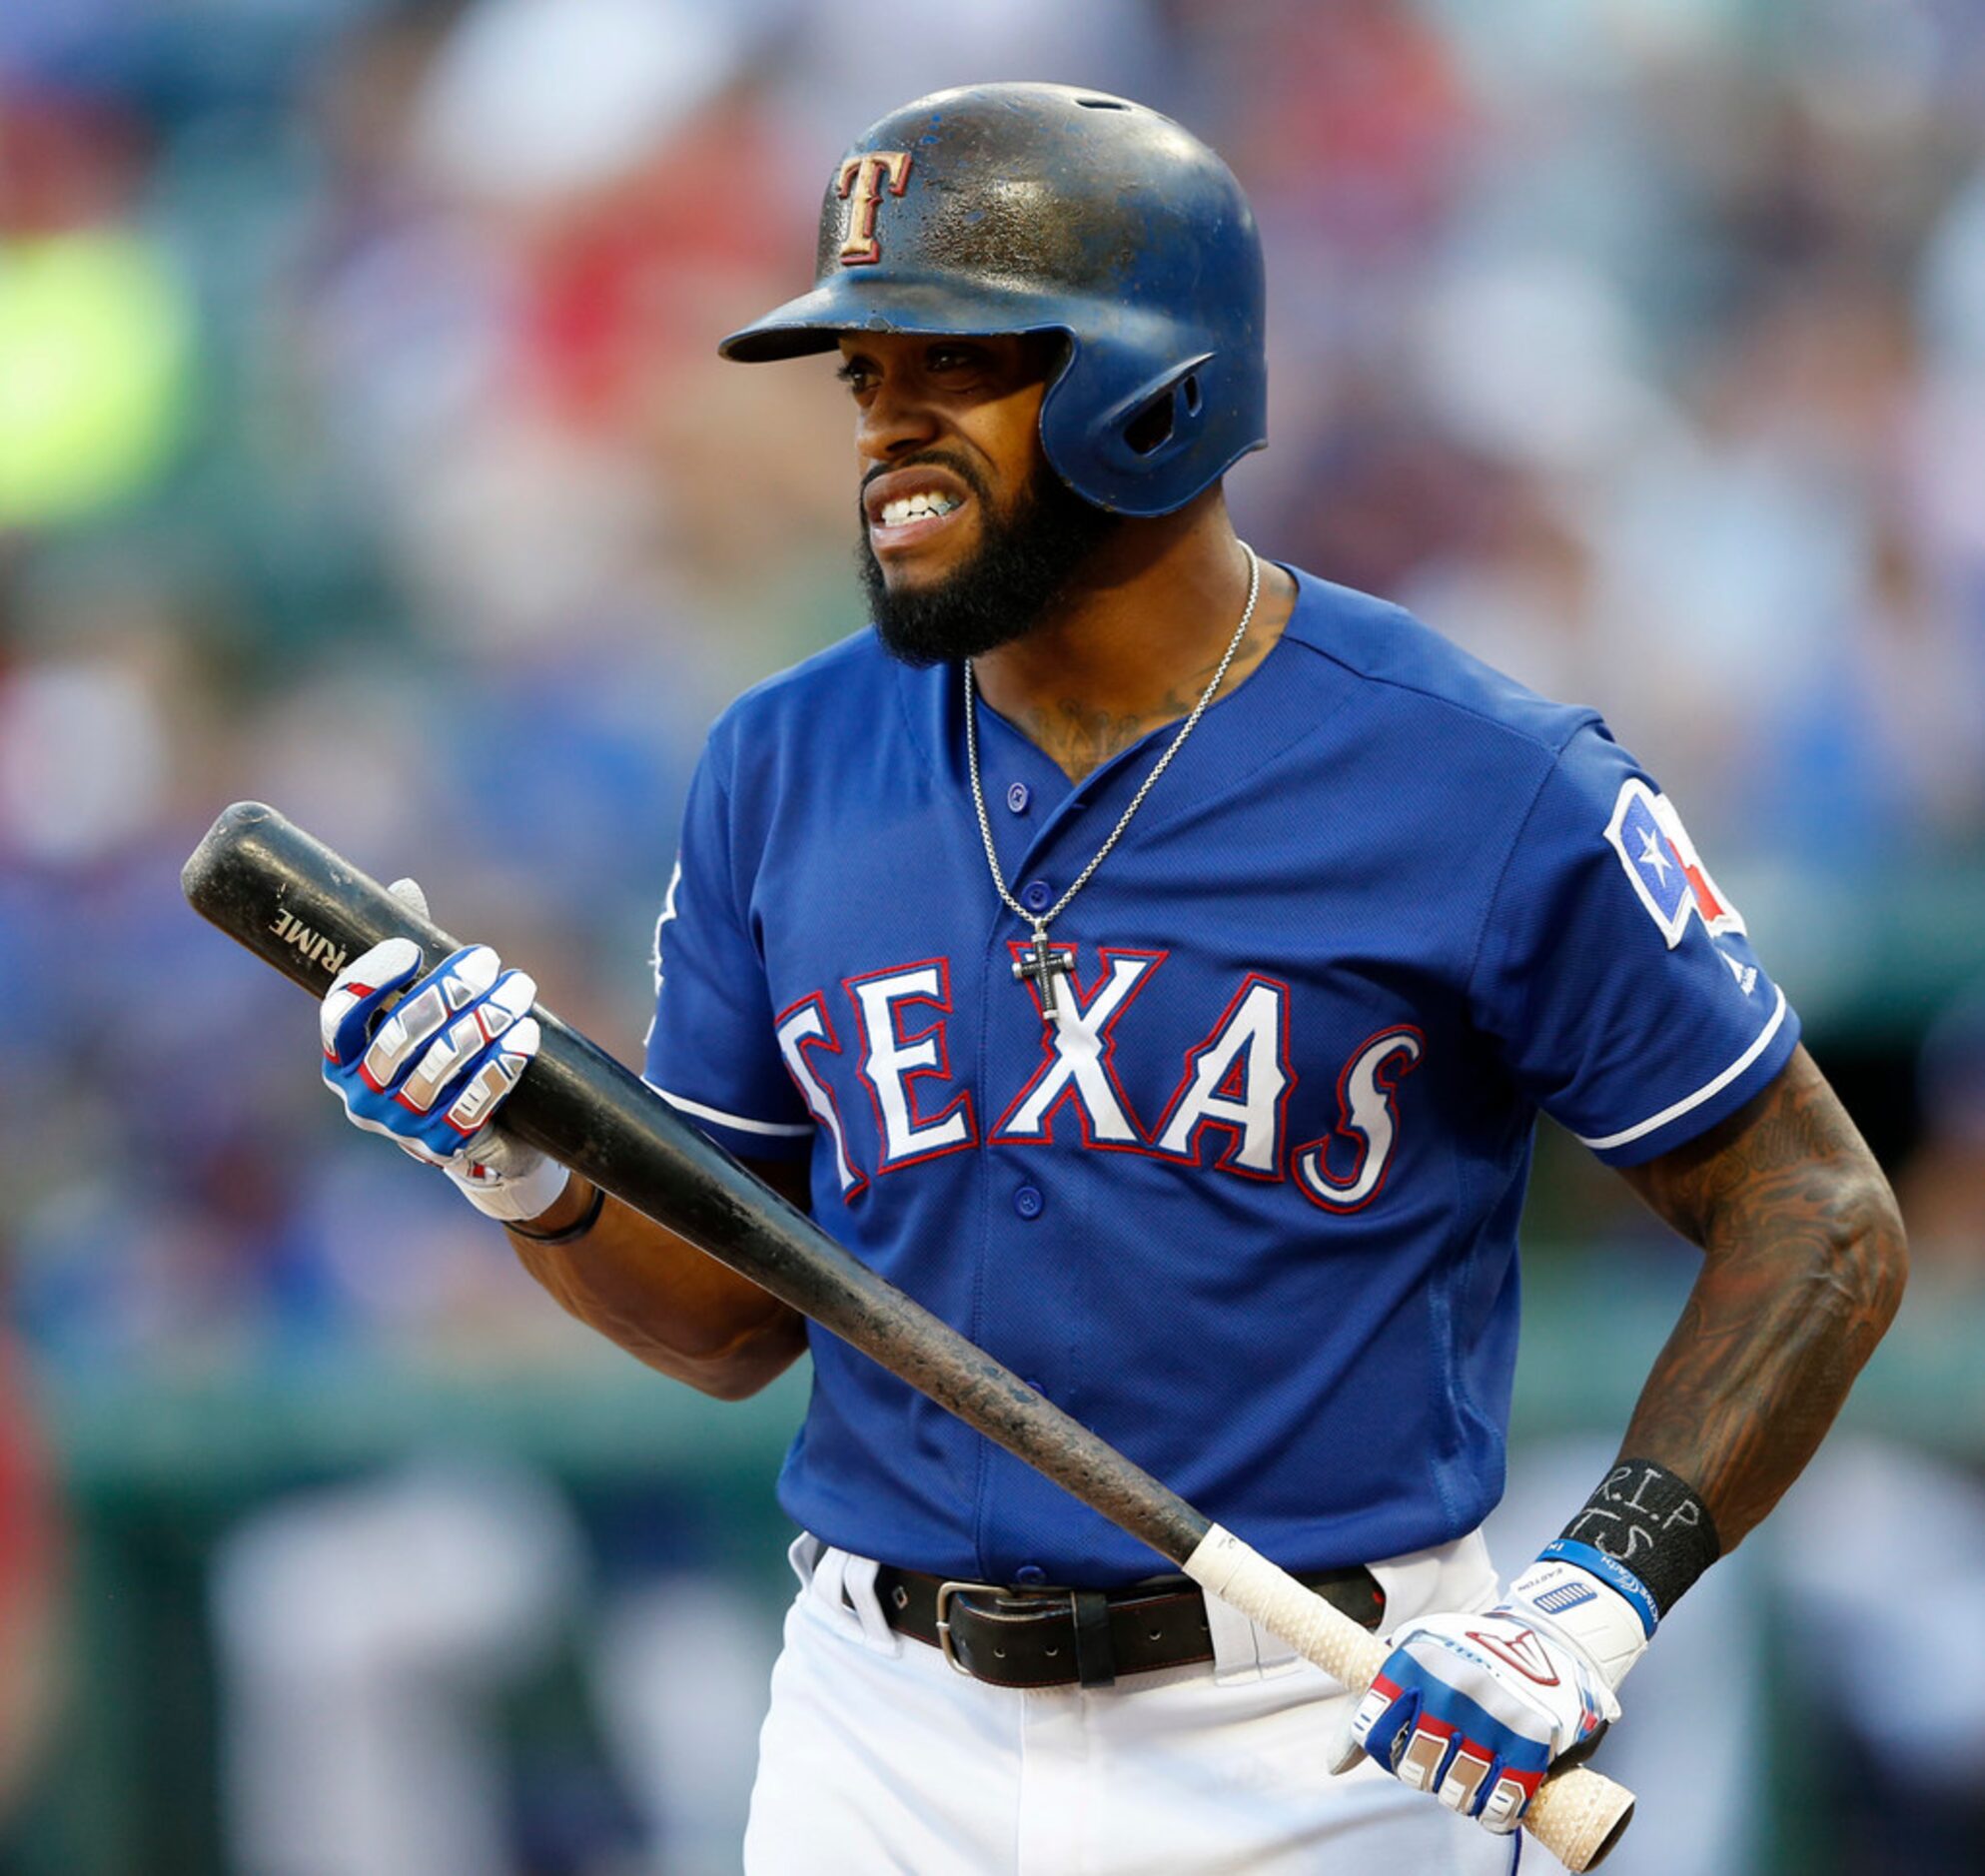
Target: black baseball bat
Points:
(308, 911)
(303, 908)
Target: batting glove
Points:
(428, 1061)
(1475, 1708)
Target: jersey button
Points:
(1038, 895)
(1028, 1202)
(1030, 1573)
(1017, 797)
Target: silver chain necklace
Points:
(1042, 962)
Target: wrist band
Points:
(578, 1228)
(1650, 1527)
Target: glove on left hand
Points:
(1475, 1708)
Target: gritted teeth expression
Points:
(917, 507)
(910, 510)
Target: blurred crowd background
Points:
(364, 449)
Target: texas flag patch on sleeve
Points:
(1664, 865)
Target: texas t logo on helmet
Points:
(860, 185)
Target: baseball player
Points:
(1154, 959)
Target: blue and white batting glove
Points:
(1475, 1708)
(428, 1061)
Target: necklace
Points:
(1043, 962)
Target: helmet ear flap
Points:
(1163, 416)
(1157, 418)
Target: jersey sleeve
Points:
(1616, 978)
(711, 1049)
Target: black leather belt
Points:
(1009, 1636)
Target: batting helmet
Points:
(1036, 208)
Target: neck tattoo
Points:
(1042, 962)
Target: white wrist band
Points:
(519, 1197)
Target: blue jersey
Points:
(1249, 1207)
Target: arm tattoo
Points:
(1803, 1269)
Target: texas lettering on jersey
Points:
(1231, 1100)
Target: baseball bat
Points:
(302, 908)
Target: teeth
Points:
(916, 507)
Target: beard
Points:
(1022, 568)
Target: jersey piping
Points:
(1709, 1091)
(775, 1128)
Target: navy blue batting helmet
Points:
(1036, 207)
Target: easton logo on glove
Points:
(1524, 1652)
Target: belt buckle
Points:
(946, 1590)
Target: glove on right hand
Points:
(429, 1060)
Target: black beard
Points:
(1023, 565)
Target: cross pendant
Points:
(1040, 967)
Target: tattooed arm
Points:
(1803, 1267)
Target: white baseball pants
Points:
(877, 1756)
